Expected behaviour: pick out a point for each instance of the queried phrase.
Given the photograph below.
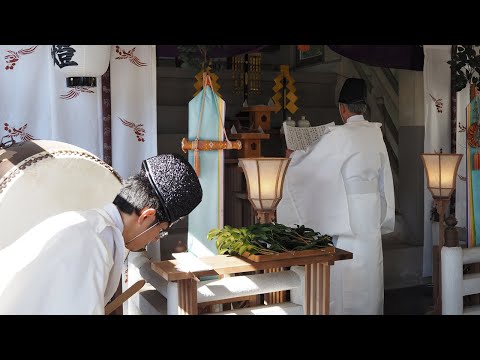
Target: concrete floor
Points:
(415, 300)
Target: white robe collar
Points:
(119, 250)
(355, 118)
(113, 212)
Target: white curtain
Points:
(35, 102)
(463, 100)
(436, 76)
(134, 106)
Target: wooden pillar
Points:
(317, 289)
(187, 297)
(107, 118)
(453, 122)
(276, 297)
(437, 260)
(107, 147)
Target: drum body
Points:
(42, 178)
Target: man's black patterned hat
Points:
(175, 183)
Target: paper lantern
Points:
(264, 177)
(441, 170)
(81, 64)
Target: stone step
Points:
(286, 308)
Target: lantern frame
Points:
(429, 173)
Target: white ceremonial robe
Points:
(342, 186)
(70, 263)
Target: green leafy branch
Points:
(465, 64)
(267, 239)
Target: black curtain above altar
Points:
(409, 57)
(218, 52)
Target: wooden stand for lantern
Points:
(260, 115)
(251, 144)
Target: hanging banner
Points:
(134, 106)
(473, 171)
(463, 100)
(209, 214)
(35, 102)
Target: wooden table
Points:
(317, 277)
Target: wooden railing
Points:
(455, 284)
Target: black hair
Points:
(357, 108)
(137, 193)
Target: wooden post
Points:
(317, 289)
(277, 297)
(187, 297)
(451, 233)
(441, 205)
(265, 217)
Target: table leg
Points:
(317, 289)
(276, 297)
(324, 298)
(187, 297)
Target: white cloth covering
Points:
(436, 84)
(342, 186)
(70, 263)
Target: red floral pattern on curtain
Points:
(138, 129)
(13, 56)
(21, 132)
(76, 91)
(124, 54)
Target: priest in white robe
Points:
(342, 186)
(72, 263)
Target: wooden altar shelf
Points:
(317, 278)
(260, 115)
(251, 143)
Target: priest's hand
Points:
(288, 152)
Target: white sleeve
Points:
(67, 277)
(107, 235)
(387, 196)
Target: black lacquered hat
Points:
(175, 183)
(354, 91)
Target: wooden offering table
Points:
(317, 277)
